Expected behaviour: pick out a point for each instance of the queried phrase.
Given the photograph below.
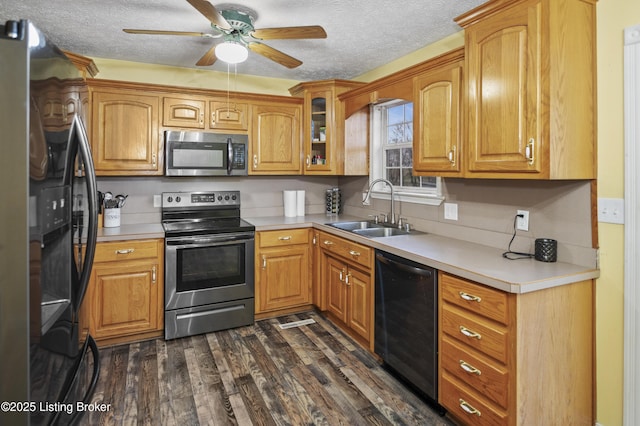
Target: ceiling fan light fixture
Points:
(231, 52)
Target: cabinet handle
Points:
(255, 161)
(287, 238)
(154, 275)
(469, 333)
(264, 262)
(469, 368)
(201, 117)
(314, 240)
(327, 243)
(346, 279)
(308, 160)
(469, 408)
(154, 159)
(125, 251)
(529, 151)
(342, 276)
(213, 119)
(469, 297)
(354, 253)
(452, 155)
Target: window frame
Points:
(378, 132)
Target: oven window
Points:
(209, 267)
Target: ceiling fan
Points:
(238, 34)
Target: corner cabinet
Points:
(323, 126)
(283, 271)
(516, 359)
(437, 117)
(530, 78)
(275, 138)
(125, 133)
(125, 298)
(346, 272)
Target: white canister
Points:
(289, 203)
(111, 218)
(300, 202)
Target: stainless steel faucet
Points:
(393, 214)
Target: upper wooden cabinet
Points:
(202, 113)
(275, 139)
(323, 126)
(531, 87)
(125, 131)
(437, 117)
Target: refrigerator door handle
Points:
(84, 150)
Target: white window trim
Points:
(381, 190)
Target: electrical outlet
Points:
(451, 211)
(522, 223)
(157, 201)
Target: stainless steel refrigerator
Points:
(48, 225)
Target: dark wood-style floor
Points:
(260, 375)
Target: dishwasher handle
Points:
(403, 267)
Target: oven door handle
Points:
(206, 242)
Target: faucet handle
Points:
(385, 217)
(375, 217)
(401, 222)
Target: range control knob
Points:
(226, 197)
(219, 197)
(178, 199)
(234, 198)
(169, 199)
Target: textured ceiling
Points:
(361, 34)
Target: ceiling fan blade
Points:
(313, 31)
(160, 32)
(210, 12)
(208, 58)
(274, 54)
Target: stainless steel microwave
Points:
(205, 154)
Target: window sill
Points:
(408, 197)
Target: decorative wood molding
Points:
(84, 64)
(631, 403)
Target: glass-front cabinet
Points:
(323, 128)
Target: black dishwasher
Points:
(406, 321)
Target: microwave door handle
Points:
(229, 156)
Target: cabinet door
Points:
(228, 115)
(360, 302)
(335, 272)
(126, 139)
(436, 145)
(275, 139)
(124, 299)
(283, 278)
(319, 132)
(503, 54)
(183, 112)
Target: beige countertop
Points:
(475, 262)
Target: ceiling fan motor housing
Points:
(239, 21)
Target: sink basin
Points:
(381, 232)
(356, 226)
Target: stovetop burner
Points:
(200, 213)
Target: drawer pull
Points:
(469, 408)
(327, 243)
(264, 262)
(469, 297)
(354, 253)
(287, 238)
(469, 333)
(469, 368)
(125, 251)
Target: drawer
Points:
(283, 237)
(349, 250)
(477, 298)
(467, 406)
(484, 336)
(488, 378)
(127, 250)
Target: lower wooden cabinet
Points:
(346, 272)
(124, 300)
(516, 359)
(283, 271)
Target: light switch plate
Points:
(451, 211)
(611, 210)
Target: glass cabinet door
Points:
(318, 142)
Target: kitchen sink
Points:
(372, 229)
(356, 226)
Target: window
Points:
(392, 155)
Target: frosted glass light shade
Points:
(231, 53)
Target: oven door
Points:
(208, 269)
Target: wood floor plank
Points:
(261, 374)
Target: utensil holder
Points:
(111, 218)
(546, 250)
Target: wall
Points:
(613, 17)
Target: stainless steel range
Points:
(209, 269)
